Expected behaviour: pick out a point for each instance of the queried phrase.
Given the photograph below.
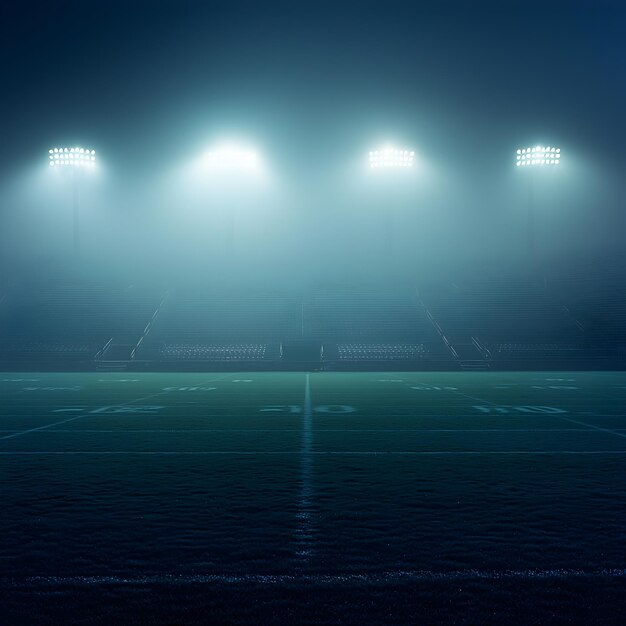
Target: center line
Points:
(305, 530)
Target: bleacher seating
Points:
(201, 352)
(536, 350)
(70, 321)
(381, 351)
(500, 313)
(602, 314)
(41, 350)
(473, 321)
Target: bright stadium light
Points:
(228, 172)
(71, 157)
(73, 160)
(531, 158)
(391, 158)
(231, 158)
(538, 156)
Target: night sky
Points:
(316, 85)
(133, 76)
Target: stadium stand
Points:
(204, 325)
(371, 325)
(234, 352)
(356, 315)
(505, 320)
(381, 351)
(593, 295)
(473, 324)
(64, 323)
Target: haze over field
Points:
(311, 89)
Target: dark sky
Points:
(314, 86)
(149, 81)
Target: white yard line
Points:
(304, 530)
(83, 415)
(317, 453)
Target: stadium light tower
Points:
(234, 166)
(531, 159)
(74, 161)
(390, 158)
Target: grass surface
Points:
(466, 497)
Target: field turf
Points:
(356, 498)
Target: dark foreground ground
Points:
(465, 498)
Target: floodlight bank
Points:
(538, 156)
(390, 157)
(73, 157)
(231, 158)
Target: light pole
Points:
(74, 160)
(234, 165)
(390, 158)
(530, 159)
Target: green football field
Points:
(317, 413)
(443, 490)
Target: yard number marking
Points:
(281, 408)
(135, 408)
(115, 409)
(295, 408)
(189, 388)
(433, 388)
(75, 388)
(519, 409)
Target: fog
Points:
(311, 91)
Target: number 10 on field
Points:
(296, 408)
